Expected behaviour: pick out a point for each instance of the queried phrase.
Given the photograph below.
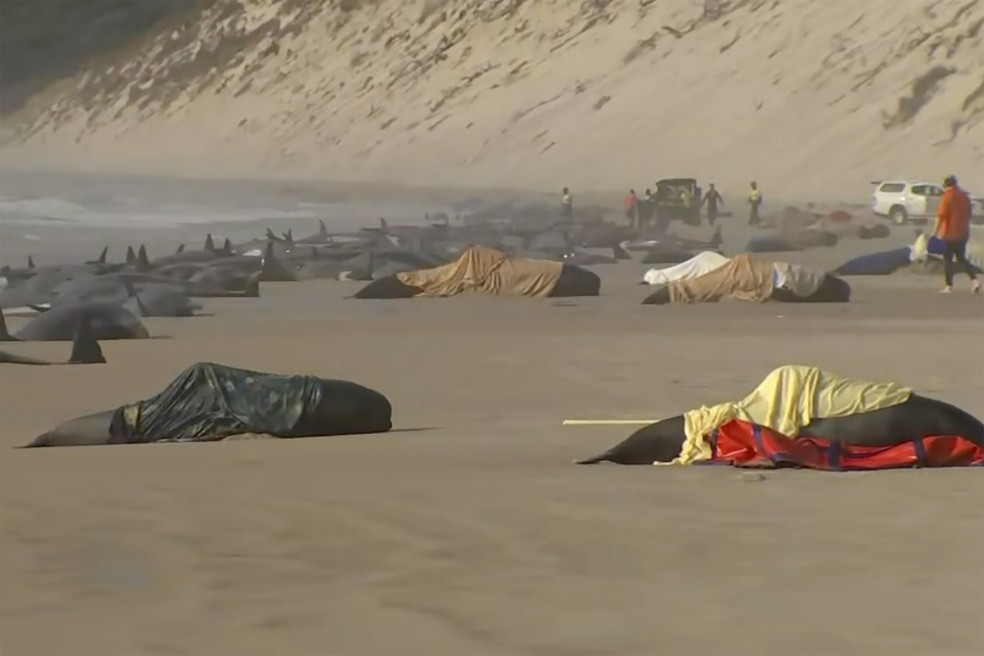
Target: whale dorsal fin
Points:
(322, 229)
(131, 257)
(102, 256)
(272, 268)
(85, 347)
(227, 247)
(143, 264)
(30, 262)
(209, 244)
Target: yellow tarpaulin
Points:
(488, 271)
(788, 399)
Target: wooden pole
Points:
(609, 422)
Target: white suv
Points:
(906, 201)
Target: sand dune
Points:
(813, 99)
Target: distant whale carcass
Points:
(106, 320)
(85, 348)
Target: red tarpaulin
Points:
(743, 444)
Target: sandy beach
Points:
(468, 529)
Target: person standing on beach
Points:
(953, 229)
(632, 208)
(566, 204)
(754, 202)
(711, 199)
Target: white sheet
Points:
(800, 280)
(698, 265)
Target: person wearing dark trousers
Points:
(632, 209)
(566, 204)
(754, 202)
(711, 199)
(953, 229)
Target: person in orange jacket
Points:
(953, 229)
(632, 208)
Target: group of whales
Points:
(112, 297)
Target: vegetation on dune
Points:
(42, 41)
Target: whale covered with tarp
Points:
(209, 402)
(484, 270)
(924, 255)
(801, 416)
(754, 278)
(698, 265)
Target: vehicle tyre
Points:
(899, 216)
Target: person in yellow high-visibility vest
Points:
(754, 202)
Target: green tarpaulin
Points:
(211, 401)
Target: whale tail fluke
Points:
(716, 239)
(85, 347)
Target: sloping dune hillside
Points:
(811, 98)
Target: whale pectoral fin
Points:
(593, 460)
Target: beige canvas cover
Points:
(488, 271)
(745, 277)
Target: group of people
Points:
(952, 226)
(712, 200)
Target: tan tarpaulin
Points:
(748, 278)
(488, 271)
(744, 277)
(788, 399)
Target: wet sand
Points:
(468, 530)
